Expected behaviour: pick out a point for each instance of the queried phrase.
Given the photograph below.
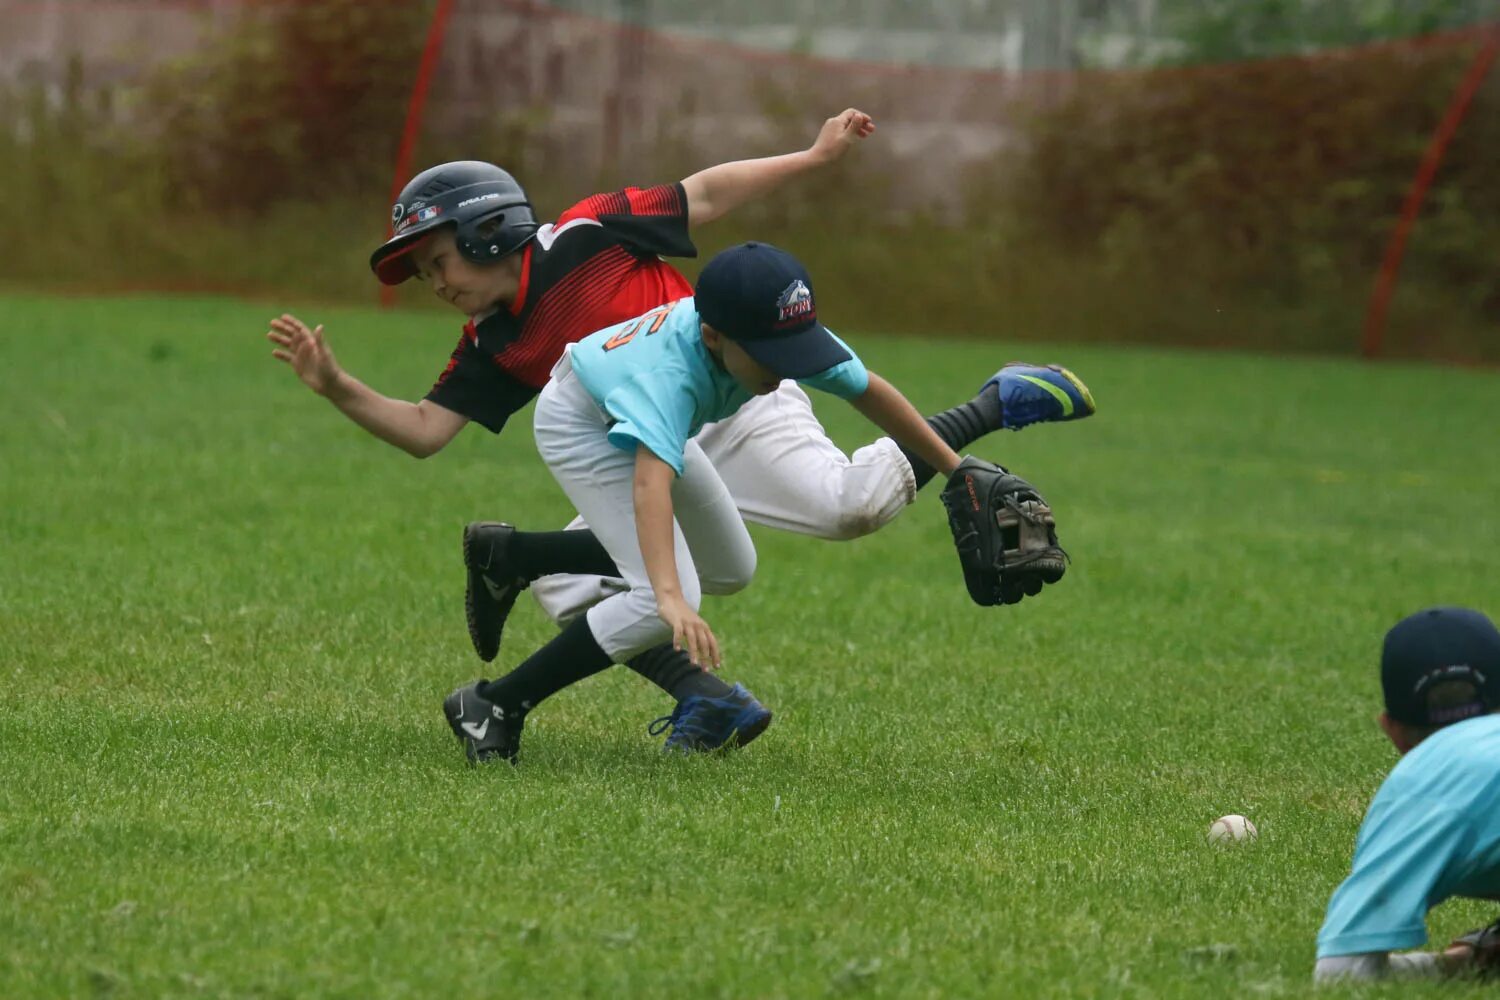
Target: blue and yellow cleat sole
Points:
(1034, 394)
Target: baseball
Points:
(1231, 829)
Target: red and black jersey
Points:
(596, 266)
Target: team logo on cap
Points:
(795, 305)
(397, 210)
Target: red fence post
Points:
(1437, 146)
(431, 49)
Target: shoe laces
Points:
(657, 725)
(688, 722)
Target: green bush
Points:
(1245, 205)
(1279, 181)
(293, 102)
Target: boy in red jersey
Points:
(468, 230)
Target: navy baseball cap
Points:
(762, 299)
(1440, 666)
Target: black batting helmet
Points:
(486, 206)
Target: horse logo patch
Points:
(795, 305)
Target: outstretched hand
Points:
(840, 132)
(306, 351)
(690, 633)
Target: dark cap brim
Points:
(391, 262)
(797, 355)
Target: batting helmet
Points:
(486, 206)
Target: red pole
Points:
(431, 49)
(1437, 146)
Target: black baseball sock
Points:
(538, 553)
(960, 427)
(570, 657)
(672, 671)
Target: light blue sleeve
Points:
(847, 380)
(653, 411)
(1406, 849)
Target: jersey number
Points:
(625, 336)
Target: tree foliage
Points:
(1212, 31)
(292, 100)
(1284, 175)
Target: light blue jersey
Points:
(656, 379)
(1432, 832)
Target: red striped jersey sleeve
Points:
(650, 220)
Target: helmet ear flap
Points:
(489, 226)
(496, 234)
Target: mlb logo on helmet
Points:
(417, 217)
(795, 306)
(419, 211)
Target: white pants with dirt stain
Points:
(782, 471)
(713, 550)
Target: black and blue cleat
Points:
(702, 723)
(1035, 394)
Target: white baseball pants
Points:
(713, 550)
(783, 472)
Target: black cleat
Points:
(487, 731)
(493, 584)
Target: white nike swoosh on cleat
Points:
(475, 731)
(497, 592)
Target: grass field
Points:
(230, 616)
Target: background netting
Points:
(249, 147)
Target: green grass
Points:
(230, 617)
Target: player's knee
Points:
(730, 578)
(854, 520)
(727, 584)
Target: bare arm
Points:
(716, 191)
(419, 429)
(652, 492)
(884, 406)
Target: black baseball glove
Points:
(1485, 958)
(1004, 532)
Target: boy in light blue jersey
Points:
(616, 424)
(1432, 832)
(671, 383)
